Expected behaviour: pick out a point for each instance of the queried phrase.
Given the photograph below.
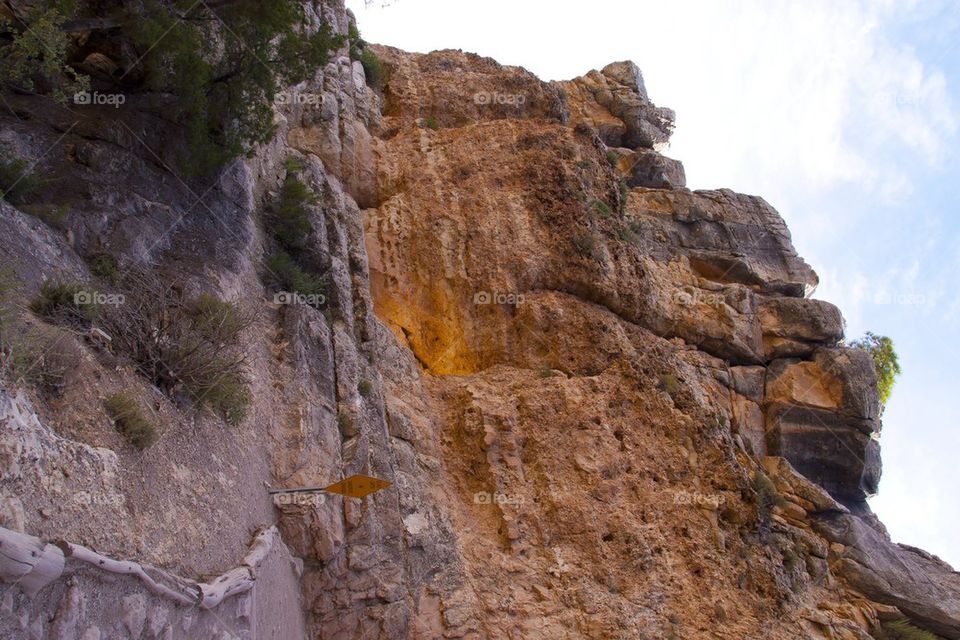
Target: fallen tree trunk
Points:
(81, 553)
(28, 561)
(33, 564)
(241, 579)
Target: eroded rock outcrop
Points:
(604, 402)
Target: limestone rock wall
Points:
(605, 404)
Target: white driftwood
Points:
(33, 564)
(81, 553)
(28, 561)
(240, 579)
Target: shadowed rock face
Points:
(605, 403)
(920, 585)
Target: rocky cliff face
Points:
(605, 404)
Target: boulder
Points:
(656, 171)
(614, 103)
(727, 238)
(748, 381)
(855, 370)
(922, 586)
(795, 326)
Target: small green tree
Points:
(292, 225)
(222, 62)
(225, 64)
(34, 55)
(885, 361)
(373, 68)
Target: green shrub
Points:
(34, 58)
(365, 387)
(104, 265)
(431, 123)
(286, 275)
(18, 182)
(344, 421)
(355, 41)
(224, 91)
(373, 69)
(67, 302)
(903, 630)
(288, 268)
(885, 361)
(42, 357)
(626, 234)
(291, 223)
(293, 165)
(767, 496)
(228, 395)
(790, 560)
(612, 157)
(124, 409)
(211, 58)
(218, 321)
(602, 208)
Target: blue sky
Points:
(844, 116)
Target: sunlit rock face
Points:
(604, 403)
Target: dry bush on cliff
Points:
(183, 346)
(65, 302)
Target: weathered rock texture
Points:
(605, 404)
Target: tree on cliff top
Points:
(223, 61)
(885, 361)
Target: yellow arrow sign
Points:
(357, 486)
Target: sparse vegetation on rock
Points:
(19, 183)
(885, 361)
(904, 630)
(66, 302)
(188, 347)
(364, 387)
(224, 62)
(124, 409)
(290, 268)
(682, 469)
(373, 68)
